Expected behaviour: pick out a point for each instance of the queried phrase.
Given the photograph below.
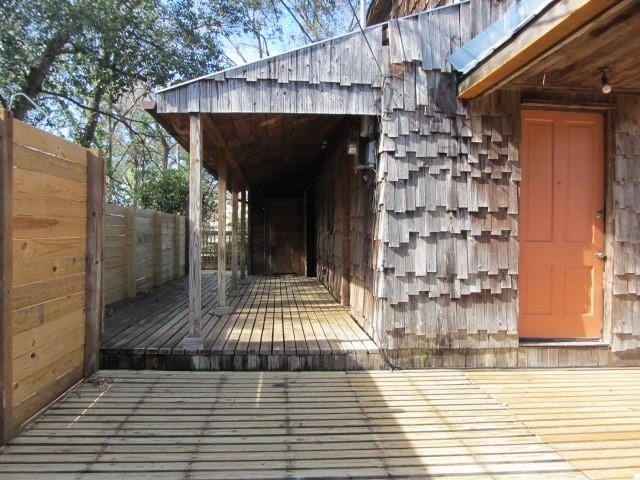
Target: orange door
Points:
(561, 225)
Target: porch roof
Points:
(275, 114)
(564, 46)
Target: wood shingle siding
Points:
(626, 251)
(448, 204)
(337, 76)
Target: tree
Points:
(167, 190)
(88, 63)
(83, 55)
(278, 24)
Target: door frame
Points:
(607, 110)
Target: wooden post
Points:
(157, 248)
(243, 234)
(248, 253)
(132, 243)
(345, 226)
(193, 341)
(93, 281)
(221, 163)
(176, 245)
(234, 235)
(6, 274)
(186, 239)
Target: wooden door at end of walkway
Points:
(285, 236)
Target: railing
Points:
(210, 249)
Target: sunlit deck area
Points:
(274, 323)
(445, 424)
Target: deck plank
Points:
(275, 323)
(445, 424)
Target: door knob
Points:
(600, 214)
(601, 255)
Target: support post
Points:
(193, 341)
(93, 267)
(222, 233)
(234, 235)
(132, 242)
(6, 274)
(177, 229)
(157, 248)
(248, 240)
(243, 234)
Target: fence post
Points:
(93, 282)
(176, 245)
(6, 274)
(132, 242)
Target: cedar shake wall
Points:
(626, 250)
(449, 219)
(448, 198)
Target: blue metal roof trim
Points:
(469, 55)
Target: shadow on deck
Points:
(274, 323)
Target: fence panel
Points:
(51, 263)
(143, 249)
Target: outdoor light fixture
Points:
(606, 87)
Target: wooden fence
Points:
(51, 208)
(143, 249)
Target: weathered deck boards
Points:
(274, 323)
(454, 424)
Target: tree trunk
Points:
(38, 72)
(89, 130)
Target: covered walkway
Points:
(286, 322)
(453, 424)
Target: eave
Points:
(554, 25)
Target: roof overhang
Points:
(555, 24)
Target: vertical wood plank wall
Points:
(142, 248)
(340, 190)
(49, 251)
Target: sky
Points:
(290, 38)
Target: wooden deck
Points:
(275, 323)
(454, 424)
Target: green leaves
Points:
(75, 48)
(167, 190)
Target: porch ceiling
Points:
(564, 47)
(261, 146)
(610, 41)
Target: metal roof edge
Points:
(480, 47)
